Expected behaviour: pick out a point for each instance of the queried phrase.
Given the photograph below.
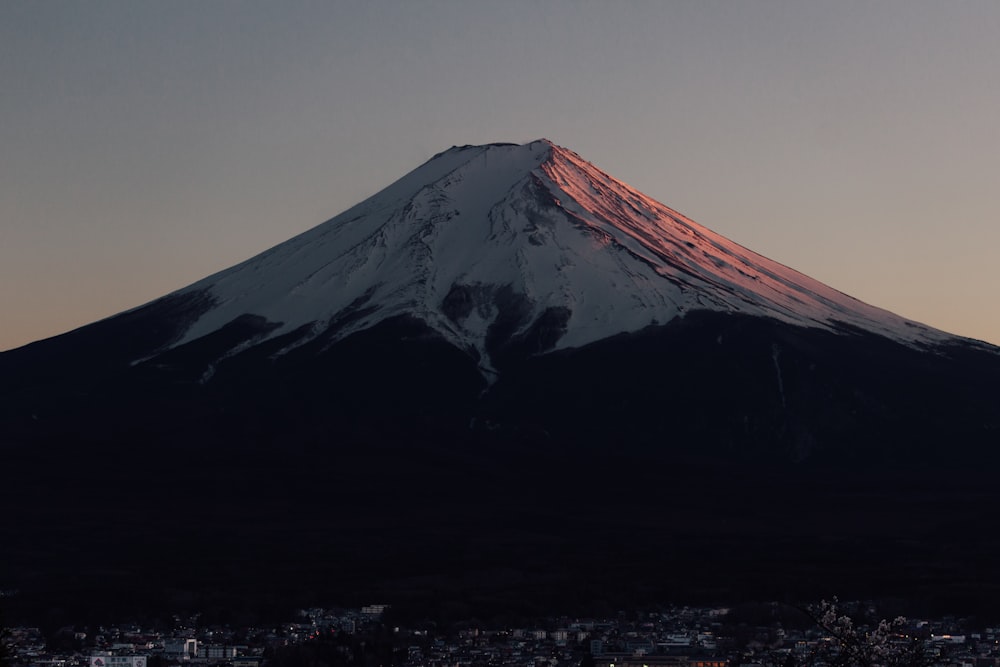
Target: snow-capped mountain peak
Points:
(487, 244)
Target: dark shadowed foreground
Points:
(719, 458)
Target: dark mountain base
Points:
(558, 539)
(713, 460)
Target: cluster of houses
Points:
(680, 637)
(138, 649)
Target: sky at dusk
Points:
(148, 144)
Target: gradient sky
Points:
(147, 144)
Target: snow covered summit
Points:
(488, 243)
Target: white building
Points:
(176, 649)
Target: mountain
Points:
(535, 228)
(508, 378)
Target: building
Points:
(117, 661)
